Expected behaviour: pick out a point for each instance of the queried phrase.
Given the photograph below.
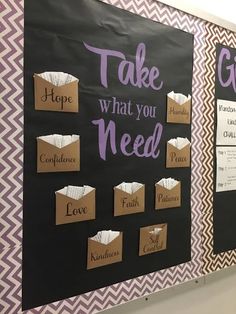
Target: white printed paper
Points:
(168, 183)
(129, 187)
(58, 78)
(225, 169)
(178, 97)
(105, 236)
(155, 231)
(179, 142)
(58, 140)
(226, 122)
(75, 192)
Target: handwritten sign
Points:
(226, 169)
(226, 122)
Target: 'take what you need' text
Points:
(135, 74)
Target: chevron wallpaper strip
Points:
(11, 115)
(211, 261)
(11, 171)
(11, 153)
(10, 280)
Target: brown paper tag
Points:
(104, 254)
(55, 98)
(53, 159)
(149, 243)
(125, 203)
(177, 158)
(167, 198)
(69, 210)
(177, 113)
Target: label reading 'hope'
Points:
(51, 97)
(48, 97)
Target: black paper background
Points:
(224, 208)
(54, 257)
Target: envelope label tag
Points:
(154, 245)
(178, 159)
(70, 211)
(53, 159)
(175, 112)
(50, 96)
(56, 159)
(165, 198)
(125, 203)
(152, 239)
(95, 256)
(101, 254)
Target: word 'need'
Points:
(139, 146)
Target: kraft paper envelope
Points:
(62, 98)
(166, 198)
(177, 158)
(177, 113)
(53, 159)
(125, 203)
(100, 254)
(151, 243)
(70, 210)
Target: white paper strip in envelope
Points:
(58, 78)
(178, 97)
(105, 236)
(59, 140)
(129, 187)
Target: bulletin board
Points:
(224, 238)
(126, 106)
(218, 228)
(190, 249)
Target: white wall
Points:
(224, 9)
(220, 12)
(215, 293)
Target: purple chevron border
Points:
(11, 153)
(211, 261)
(11, 168)
(11, 103)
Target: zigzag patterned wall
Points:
(11, 153)
(11, 89)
